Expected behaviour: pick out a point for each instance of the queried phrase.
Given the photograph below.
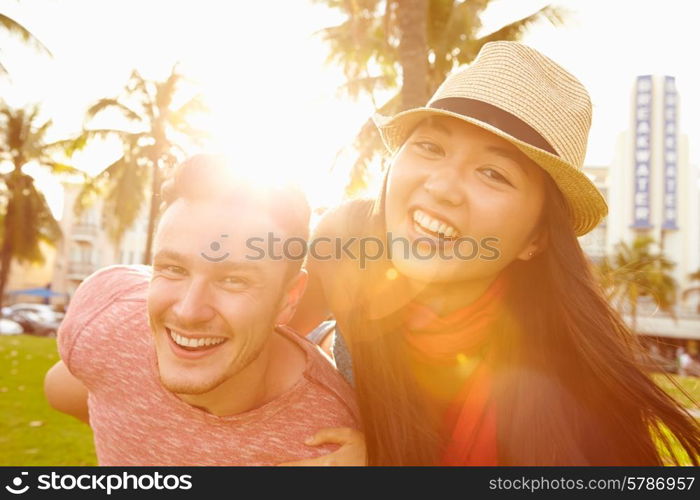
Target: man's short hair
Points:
(209, 177)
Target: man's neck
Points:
(278, 367)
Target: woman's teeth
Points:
(433, 225)
(194, 343)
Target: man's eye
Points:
(495, 175)
(429, 147)
(170, 270)
(234, 281)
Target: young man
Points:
(186, 363)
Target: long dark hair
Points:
(571, 382)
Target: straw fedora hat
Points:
(526, 98)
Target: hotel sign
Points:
(670, 160)
(642, 153)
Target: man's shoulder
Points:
(107, 285)
(114, 281)
(101, 302)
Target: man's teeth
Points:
(190, 342)
(429, 223)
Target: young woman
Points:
(480, 336)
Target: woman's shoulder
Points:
(347, 219)
(332, 261)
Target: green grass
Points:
(691, 385)
(31, 433)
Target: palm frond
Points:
(515, 30)
(165, 91)
(193, 106)
(106, 133)
(58, 168)
(144, 91)
(369, 146)
(16, 29)
(91, 190)
(137, 84)
(39, 133)
(69, 146)
(111, 103)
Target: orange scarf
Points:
(471, 418)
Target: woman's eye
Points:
(429, 147)
(495, 175)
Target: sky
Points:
(275, 104)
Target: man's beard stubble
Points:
(193, 389)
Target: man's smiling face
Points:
(211, 318)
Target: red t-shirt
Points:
(106, 342)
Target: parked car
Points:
(9, 327)
(36, 319)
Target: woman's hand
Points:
(352, 449)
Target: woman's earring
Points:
(531, 254)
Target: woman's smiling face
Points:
(467, 200)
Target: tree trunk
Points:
(153, 211)
(7, 248)
(412, 17)
(5, 261)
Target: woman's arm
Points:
(329, 287)
(320, 266)
(66, 393)
(313, 307)
(352, 451)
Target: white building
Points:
(85, 246)
(651, 188)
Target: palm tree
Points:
(693, 289)
(635, 271)
(27, 219)
(421, 41)
(14, 28)
(150, 150)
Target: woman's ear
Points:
(291, 298)
(536, 246)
